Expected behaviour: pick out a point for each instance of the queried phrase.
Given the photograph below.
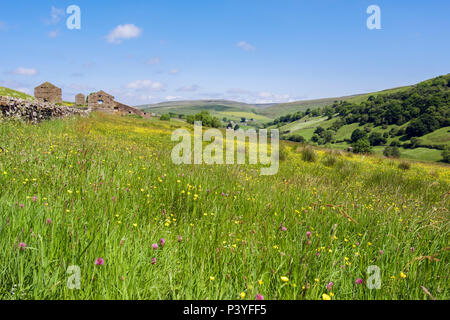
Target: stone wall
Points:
(35, 111)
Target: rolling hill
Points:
(282, 109)
(413, 118)
(234, 110)
(14, 94)
(231, 110)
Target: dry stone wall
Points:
(35, 111)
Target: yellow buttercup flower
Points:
(402, 275)
(284, 279)
(326, 297)
(242, 295)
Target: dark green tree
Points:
(446, 154)
(165, 117)
(392, 152)
(358, 134)
(376, 139)
(362, 146)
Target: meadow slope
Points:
(101, 192)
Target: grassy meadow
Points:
(102, 192)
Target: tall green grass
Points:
(75, 190)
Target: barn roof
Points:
(103, 93)
(46, 85)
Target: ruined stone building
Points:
(104, 102)
(123, 110)
(47, 92)
(101, 100)
(80, 99)
(97, 101)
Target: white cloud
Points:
(245, 46)
(130, 97)
(55, 15)
(171, 98)
(155, 60)
(25, 71)
(268, 97)
(53, 34)
(174, 71)
(22, 89)
(122, 32)
(145, 84)
(190, 88)
(249, 96)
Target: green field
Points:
(422, 154)
(306, 127)
(14, 94)
(440, 136)
(99, 192)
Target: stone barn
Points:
(104, 102)
(48, 92)
(101, 100)
(124, 110)
(80, 99)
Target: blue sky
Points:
(252, 51)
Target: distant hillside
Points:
(6, 92)
(187, 103)
(414, 118)
(219, 108)
(282, 109)
(231, 110)
(194, 105)
(234, 110)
